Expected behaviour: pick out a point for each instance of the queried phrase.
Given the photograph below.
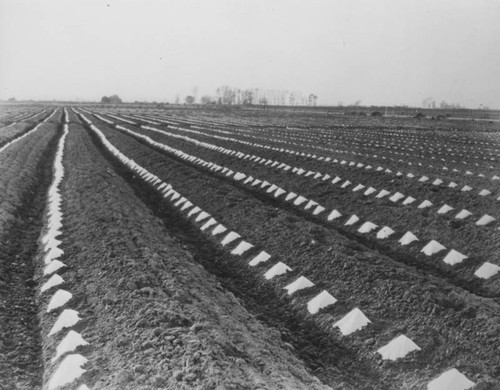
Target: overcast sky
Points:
(380, 52)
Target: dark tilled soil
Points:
(366, 177)
(20, 344)
(335, 147)
(449, 324)
(164, 306)
(479, 243)
(154, 317)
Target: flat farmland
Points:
(216, 248)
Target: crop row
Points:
(277, 191)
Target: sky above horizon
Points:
(385, 52)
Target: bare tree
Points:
(312, 99)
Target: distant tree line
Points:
(429, 102)
(226, 95)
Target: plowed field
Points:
(207, 249)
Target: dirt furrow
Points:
(26, 176)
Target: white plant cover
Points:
(51, 234)
(69, 343)
(180, 201)
(239, 176)
(242, 247)
(300, 199)
(66, 319)
(398, 348)
(60, 298)
(53, 266)
(370, 191)
(432, 247)
(278, 192)
(424, 204)
(230, 237)
(454, 257)
(277, 269)
(69, 370)
(485, 220)
(407, 238)
(206, 225)
(385, 232)
(382, 193)
(260, 258)
(218, 229)
(444, 209)
(201, 216)
(397, 196)
(367, 227)
(310, 204)
(450, 380)
(463, 214)
(299, 284)
(53, 254)
(352, 322)
(272, 188)
(319, 209)
(55, 280)
(186, 205)
(487, 270)
(409, 200)
(333, 215)
(323, 299)
(352, 220)
(195, 210)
